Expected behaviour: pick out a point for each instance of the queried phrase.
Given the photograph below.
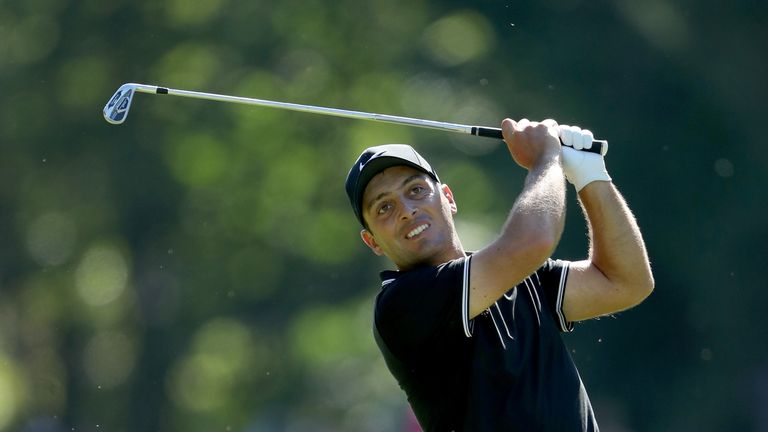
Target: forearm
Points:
(617, 248)
(528, 238)
(539, 212)
(535, 222)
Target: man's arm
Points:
(617, 274)
(535, 222)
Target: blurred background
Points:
(199, 269)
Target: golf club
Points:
(116, 111)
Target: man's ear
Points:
(449, 195)
(370, 241)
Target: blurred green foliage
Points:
(198, 268)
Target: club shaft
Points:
(454, 127)
(598, 146)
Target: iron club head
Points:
(116, 110)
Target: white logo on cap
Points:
(362, 165)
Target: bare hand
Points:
(531, 143)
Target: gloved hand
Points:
(580, 167)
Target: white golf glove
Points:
(580, 167)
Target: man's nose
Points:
(409, 209)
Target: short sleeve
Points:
(424, 307)
(550, 280)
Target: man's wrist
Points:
(592, 186)
(581, 168)
(585, 180)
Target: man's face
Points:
(410, 218)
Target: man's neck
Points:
(456, 251)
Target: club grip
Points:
(598, 146)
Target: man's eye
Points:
(384, 208)
(418, 190)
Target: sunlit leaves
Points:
(459, 37)
(223, 352)
(325, 334)
(83, 81)
(51, 238)
(254, 273)
(471, 186)
(328, 238)
(659, 21)
(109, 358)
(101, 275)
(12, 391)
(183, 13)
(188, 65)
(197, 159)
(27, 39)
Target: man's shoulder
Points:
(421, 304)
(422, 271)
(447, 273)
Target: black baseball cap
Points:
(374, 160)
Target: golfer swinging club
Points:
(474, 338)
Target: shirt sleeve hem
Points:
(466, 322)
(565, 325)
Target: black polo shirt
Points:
(505, 370)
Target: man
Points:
(474, 338)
